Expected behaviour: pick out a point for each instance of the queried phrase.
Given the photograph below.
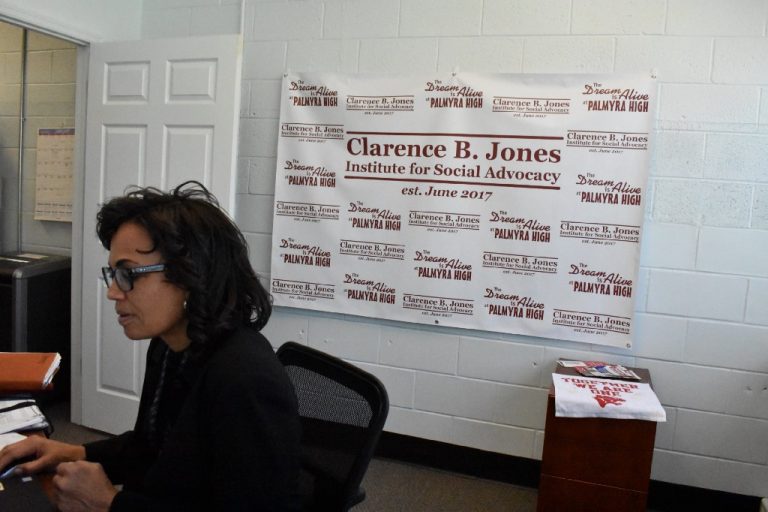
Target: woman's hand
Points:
(47, 454)
(82, 487)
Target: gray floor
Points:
(391, 486)
(66, 431)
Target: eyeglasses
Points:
(124, 277)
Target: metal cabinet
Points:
(35, 307)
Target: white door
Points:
(159, 112)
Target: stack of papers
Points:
(52, 369)
(600, 369)
(21, 415)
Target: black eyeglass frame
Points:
(124, 277)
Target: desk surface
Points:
(45, 479)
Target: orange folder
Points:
(28, 371)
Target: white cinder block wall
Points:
(50, 103)
(51, 70)
(702, 309)
(10, 92)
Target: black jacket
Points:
(233, 441)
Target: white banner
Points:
(508, 203)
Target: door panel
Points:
(190, 153)
(160, 112)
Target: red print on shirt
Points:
(604, 400)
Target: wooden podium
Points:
(595, 464)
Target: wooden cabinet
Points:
(595, 464)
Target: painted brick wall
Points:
(51, 70)
(10, 92)
(50, 99)
(702, 300)
(88, 20)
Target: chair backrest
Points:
(343, 410)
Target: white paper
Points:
(52, 370)
(10, 438)
(31, 256)
(18, 419)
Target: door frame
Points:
(78, 188)
(78, 194)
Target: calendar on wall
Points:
(53, 176)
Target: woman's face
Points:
(154, 307)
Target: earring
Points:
(185, 305)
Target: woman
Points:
(218, 427)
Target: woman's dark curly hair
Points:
(205, 254)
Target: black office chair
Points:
(343, 410)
